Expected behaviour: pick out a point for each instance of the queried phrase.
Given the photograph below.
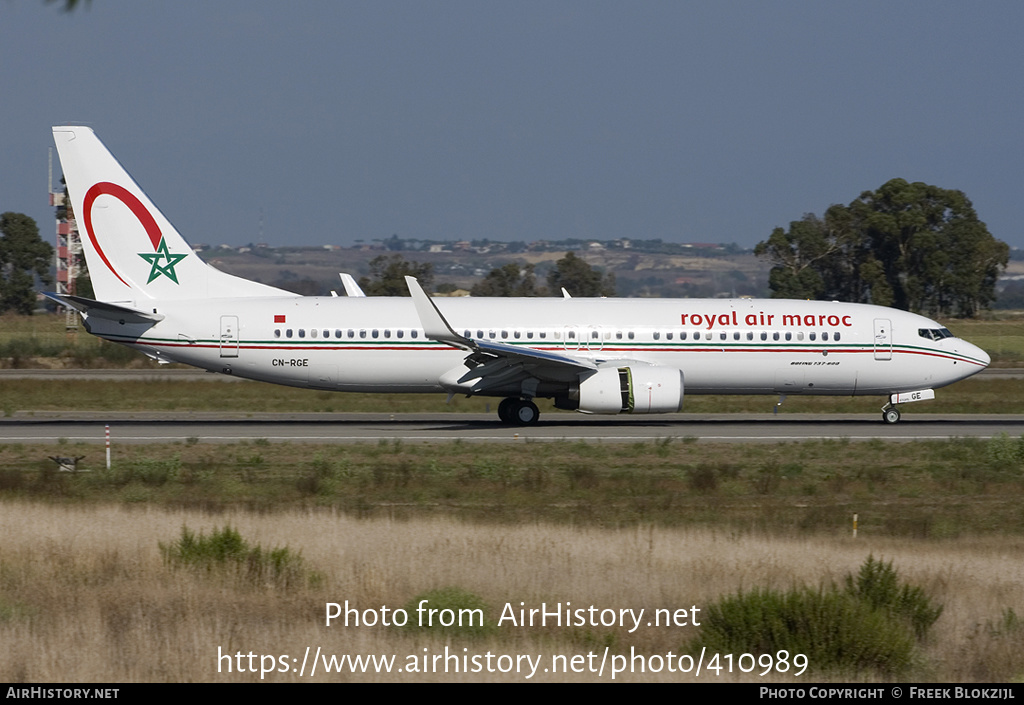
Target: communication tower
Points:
(68, 253)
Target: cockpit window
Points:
(934, 333)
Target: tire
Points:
(505, 410)
(891, 415)
(525, 413)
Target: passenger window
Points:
(543, 334)
(362, 333)
(764, 335)
(657, 335)
(789, 336)
(414, 334)
(337, 333)
(516, 335)
(401, 333)
(618, 335)
(750, 335)
(722, 335)
(480, 334)
(504, 334)
(824, 336)
(631, 335)
(775, 336)
(312, 333)
(800, 335)
(814, 336)
(529, 335)
(288, 333)
(736, 335)
(375, 333)
(836, 336)
(594, 335)
(668, 336)
(277, 333)
(302, 332)
(682, 336)
(696, 336)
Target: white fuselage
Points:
(722, 346)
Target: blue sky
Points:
(691, 122)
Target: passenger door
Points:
(883, 339)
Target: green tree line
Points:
(909, 245)
(23, 258)
(388, 272)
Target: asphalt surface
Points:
(209, 427)
(218, 427)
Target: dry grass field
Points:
(85, 595)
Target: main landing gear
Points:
(518, 412)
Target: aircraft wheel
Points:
(525, 412)
(505, 410)
(891, 415)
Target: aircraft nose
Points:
(983, 356)
(973, 351)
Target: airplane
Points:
(593, 355)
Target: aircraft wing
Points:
(491, 364)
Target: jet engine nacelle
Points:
(635, 389)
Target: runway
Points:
(342, 428)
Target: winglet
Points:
(351, 288)
(434, 324)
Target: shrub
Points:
(873, 623)
(834, 630)
(878, 584)
(1003, 452)
(702, 478)
(226, 551)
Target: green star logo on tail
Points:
(167, 269)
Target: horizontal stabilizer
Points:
(101, 309)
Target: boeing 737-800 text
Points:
(603, 356)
